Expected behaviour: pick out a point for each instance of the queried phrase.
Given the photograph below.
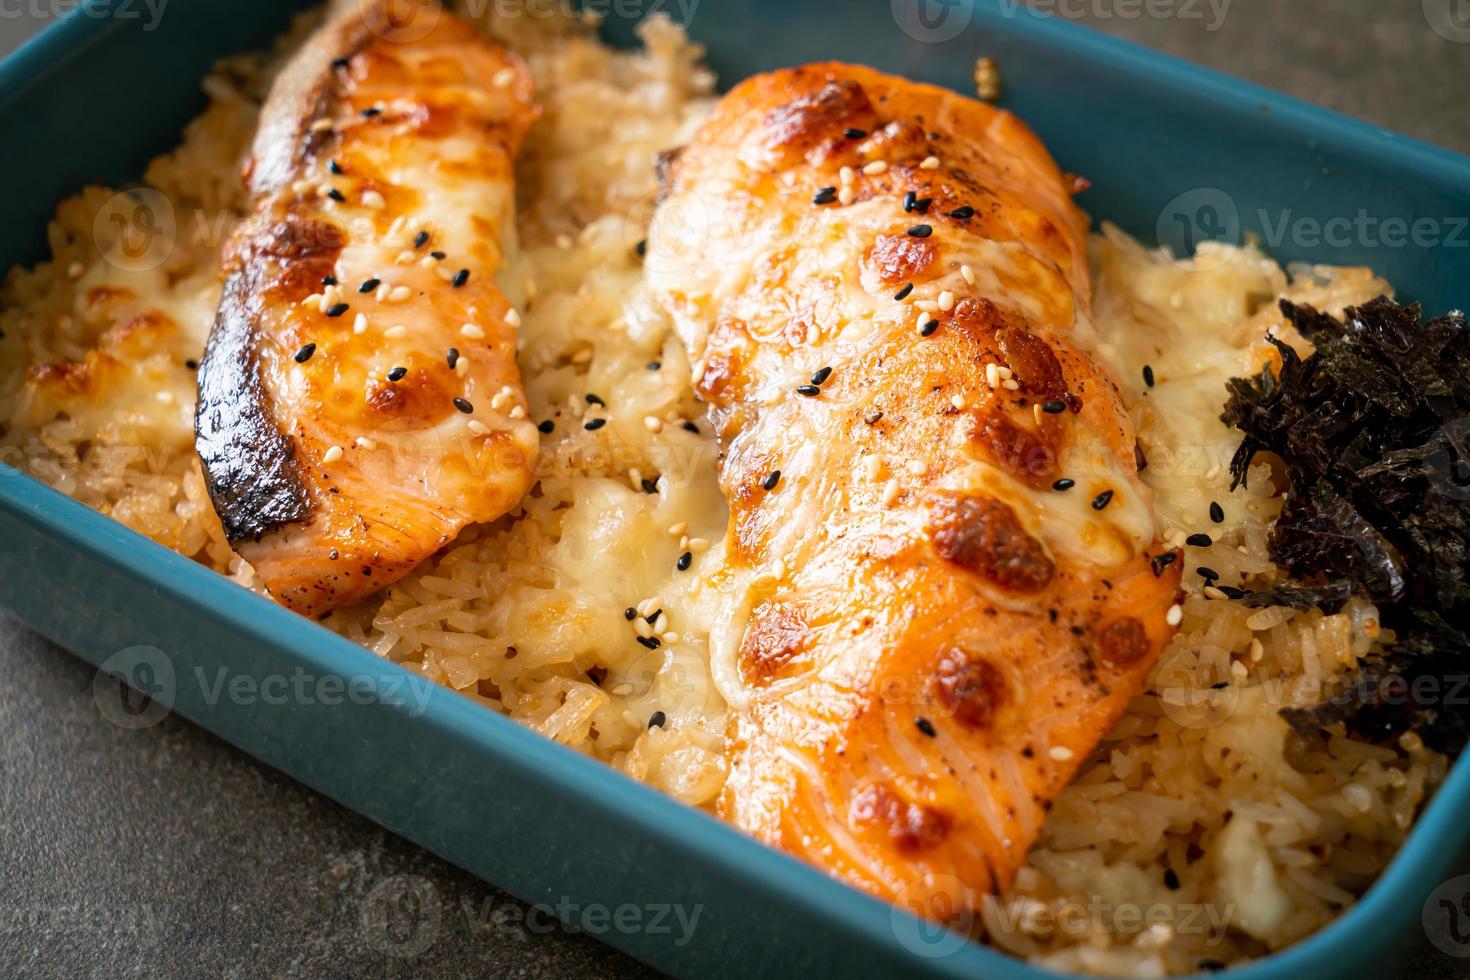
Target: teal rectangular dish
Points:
(1175, 153)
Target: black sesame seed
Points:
(592, 425)
(1102, 500)
(335, 168)
(921, 231)
(1064, 484)
(1171, 880)
(929, 328)
(1231, 592)
(304, 354)
(371, 112)
(630, 614)
(653, 616)
(811, 391)
(649, 487)
(1207, 573)
(336, 195)
(368, 285)
(191, 364)
(1148, 375)
(921, 206)
(641, 248)
(769, 483)
(652, 642)
(821, 376)
(329, 280)
(1054, 407)
(463, 404)
(1217, 513)
(657, 719)
(926, 726)
(421, 239)
(1199, 540)
(441, 256)
(1161, 562)
(654, 365)
(337, 309)
(825, 196)
(903, 293)
(546, 428)
(962, 212)
(1214, 966)
(340, 63)
(908, 201)
(397, 374)
(684, 561)
(854, 134)
(452, 357)
(690, 427)
(593, 399)
(460, 278)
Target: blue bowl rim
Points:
(661, 817)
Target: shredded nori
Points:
(1374, 432)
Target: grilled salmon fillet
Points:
(945, 579)
(359, 400)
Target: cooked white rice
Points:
(1202, 831)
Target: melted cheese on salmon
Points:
(945, 578)
(359, 401)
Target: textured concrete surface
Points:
(165, 852)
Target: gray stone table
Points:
(166, 852)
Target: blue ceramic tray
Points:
(1173, 151)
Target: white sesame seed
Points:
(406, 258)
(477, 427)
(698, 544)
(1060, 753)
(503, 77)
(845, 175)
(845, 196)
(462, 366)
(1211, 592)
(653, 423)
(472, 331)
(641, 627)
(929, 163)
(1174, 616)
(1036, 412)
(374, 200)
(968, 274)
(166, 397)
(1011, 384)
(582, 356)
(398, 331)
(1005, 372)
(927, 305)
(512, 317)
(321, 125)
(360, 324)
(992, 375)
(332, 455)
(875, 168)
(382, 294)
(891, 493)
(399, 294)
(517, 412)
(364, 442)
(314, 299)
(499, 400)
(958, 401)
(683, 541)
(778, 570)
(669, 637)
(946, 301)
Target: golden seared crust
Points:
(883, 287)
(359, 401)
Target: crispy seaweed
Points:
(1373, 429)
